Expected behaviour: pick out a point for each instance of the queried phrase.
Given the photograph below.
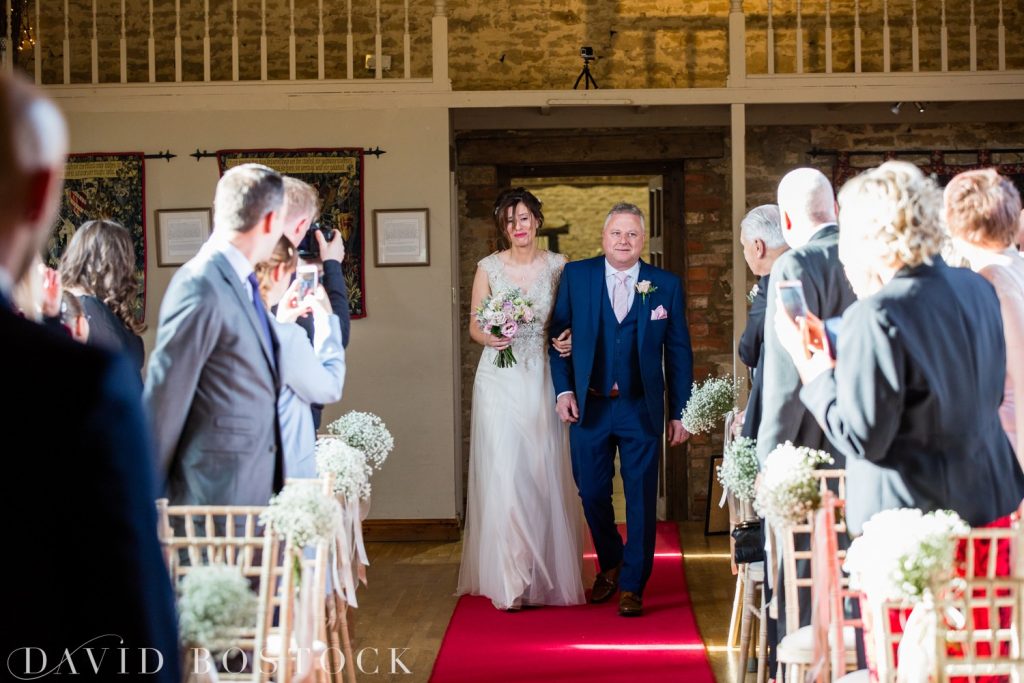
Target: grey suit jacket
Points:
(913, 401)
(828, 292)
(211, 390)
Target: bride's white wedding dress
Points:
(523, 537)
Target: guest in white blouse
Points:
(982, 212)
(309, 374)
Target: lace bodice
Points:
(530, 344)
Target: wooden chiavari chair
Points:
(796, 651)
(196, 535)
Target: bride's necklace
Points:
(523, 274)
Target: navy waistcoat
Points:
(617, 356)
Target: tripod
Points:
(586, 77)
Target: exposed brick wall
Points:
(478, 186)
(709, 298)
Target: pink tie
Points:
(620, 296)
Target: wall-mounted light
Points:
(895, 109)
(920, 107)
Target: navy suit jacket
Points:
(666, 359)
(86, 558)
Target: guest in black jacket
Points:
(85, 563)
(98, 267)
(763, 242)
(912, 399)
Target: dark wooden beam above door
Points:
(528, 147)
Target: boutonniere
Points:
(643, 288)
(754, 291)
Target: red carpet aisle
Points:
(589, 643)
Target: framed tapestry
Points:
(937, 165)
(337, 175)
(110, 186)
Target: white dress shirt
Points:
(610, 280)
(239, 263)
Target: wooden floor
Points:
(410, 599)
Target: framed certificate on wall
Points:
(401, 237)
(179, 234)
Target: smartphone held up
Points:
(791, 295)
(308, 277)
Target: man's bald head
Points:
(33, 147)
(806, 201)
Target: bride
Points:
(523, 539)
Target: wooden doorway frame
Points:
(672, 173)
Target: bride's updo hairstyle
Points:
(510, 199)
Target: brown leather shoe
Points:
(630, 604)
(605, 585)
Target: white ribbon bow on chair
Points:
(349, 559)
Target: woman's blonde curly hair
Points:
(897, 207)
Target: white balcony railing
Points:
(795, 37)
(133, 41)
(76, 42)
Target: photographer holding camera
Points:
(319, 246)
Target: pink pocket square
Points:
(659, 313)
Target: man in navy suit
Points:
(630, 344)
(86, 576)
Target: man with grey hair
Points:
(212, 384)
(763, 243)
(807, 209)
(631, 351)
(90, 571)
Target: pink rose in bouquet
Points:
(504, 315)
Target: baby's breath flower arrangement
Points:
(347, 464)
(302, 513)
(367, 433)
(739, 468)
(708, 404)
(214, 602)
(904, 554)
(789, 491)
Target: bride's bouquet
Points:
(502, 315)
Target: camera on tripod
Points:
(309, 248)
(587, 53)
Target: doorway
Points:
(575, 208)
(576, 199)
(695, 244)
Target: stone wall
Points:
(583, 207)
(519, 44)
